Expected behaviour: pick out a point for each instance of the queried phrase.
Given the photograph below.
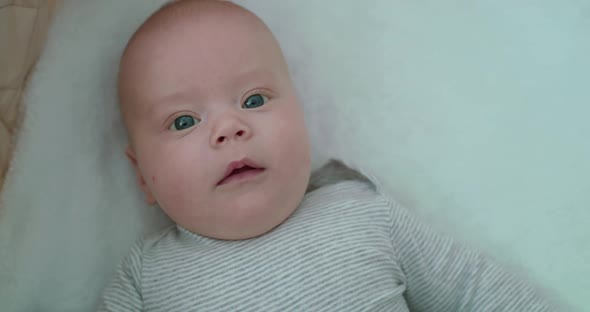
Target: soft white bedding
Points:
(473, 113)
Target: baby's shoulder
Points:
(350, 197)
(348, 190)
(154, 240)
(335, 181)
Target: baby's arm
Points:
(443, 275)
(123, 292)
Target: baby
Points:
(218, 140)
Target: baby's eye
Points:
(254, 101)
(184, 122)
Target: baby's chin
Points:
(244, 233)
(239, 231)
(249, 219)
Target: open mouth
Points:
(240, 170)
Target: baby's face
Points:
(218, 136)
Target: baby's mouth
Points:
(240, 170)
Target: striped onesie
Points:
(346, 248)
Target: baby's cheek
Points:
(171, 193)
(181, 179)
(293, 135)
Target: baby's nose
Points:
(230, 129)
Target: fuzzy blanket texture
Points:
(472, 113)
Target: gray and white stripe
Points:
(346, 248)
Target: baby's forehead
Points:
(197, 18)
(199, 13)
(169, 45)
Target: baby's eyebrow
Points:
(255, 76)
(170, 102)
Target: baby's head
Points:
(217, 135)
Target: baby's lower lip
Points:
(242, 177)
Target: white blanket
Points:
(473, 113)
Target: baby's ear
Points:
(150, 200)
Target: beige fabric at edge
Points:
(23, 27)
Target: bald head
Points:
(214, 28)
(179, 11)
(203, 83)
